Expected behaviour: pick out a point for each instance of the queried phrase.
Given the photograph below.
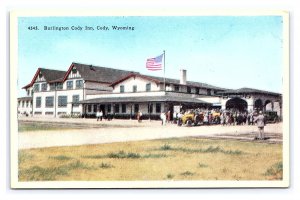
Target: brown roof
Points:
(168, 81)
(98, 74)
(49, 74)
(248, 91)
(25, 99)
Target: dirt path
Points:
(131, 130)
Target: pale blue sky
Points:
(230, 52)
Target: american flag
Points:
(154, 64)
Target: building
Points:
(57, 93)
(85, 89)
(25, 107)
(149, 95)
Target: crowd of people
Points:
(223, 117)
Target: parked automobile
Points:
(271, 117)
(191, 118)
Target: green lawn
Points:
(24, 126)
(168, 159)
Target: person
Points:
(174, 117)
(168, 116)
(139, 116)
(260, 121)
(222, 119)
(179, 118)
(163, 118)
(101, 115)
(98, 115)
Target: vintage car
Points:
(271, 117)
(193, 117)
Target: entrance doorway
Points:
(237, 104)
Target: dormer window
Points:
(148, 87)
(36, 87)
(122, 89)
(69, 85)
(79, 84)
(134, 88)
(59, 86)
(44, 86)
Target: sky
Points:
(225, 51)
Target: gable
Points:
(74, 73)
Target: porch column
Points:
(130, 111)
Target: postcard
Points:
(143, 99)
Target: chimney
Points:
(183, 76)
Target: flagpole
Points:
(165, 70)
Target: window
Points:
(38, 102)
(176, 88)
(27, 103)
(150, 108)
(117, 108)
(75, 100)
(136, 108)
(40, 75)
(59, 86)
(89, 108)
(74, 70)
(62, 101)
(49, 102)
(134, 88)
(44, 86)
(197, 90)
(123, 108)
(36, 87)
(188, 89)
(79, 84)
(48, 113)
(23, 104)
(69, 85)
(52, 86)
(28, 92)
(148, 87)
(31, 92)
(208, 92)
(108, 108)
(158, 108)
(122, 89)
(95, 108)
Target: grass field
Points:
(24, 126)
(168, 159)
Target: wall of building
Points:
(137, 94)
(139, 82)
(24, 107)
(55, 110)
(250, 99)
(143, 107)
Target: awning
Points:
(143, 99)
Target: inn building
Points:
(84, 89)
